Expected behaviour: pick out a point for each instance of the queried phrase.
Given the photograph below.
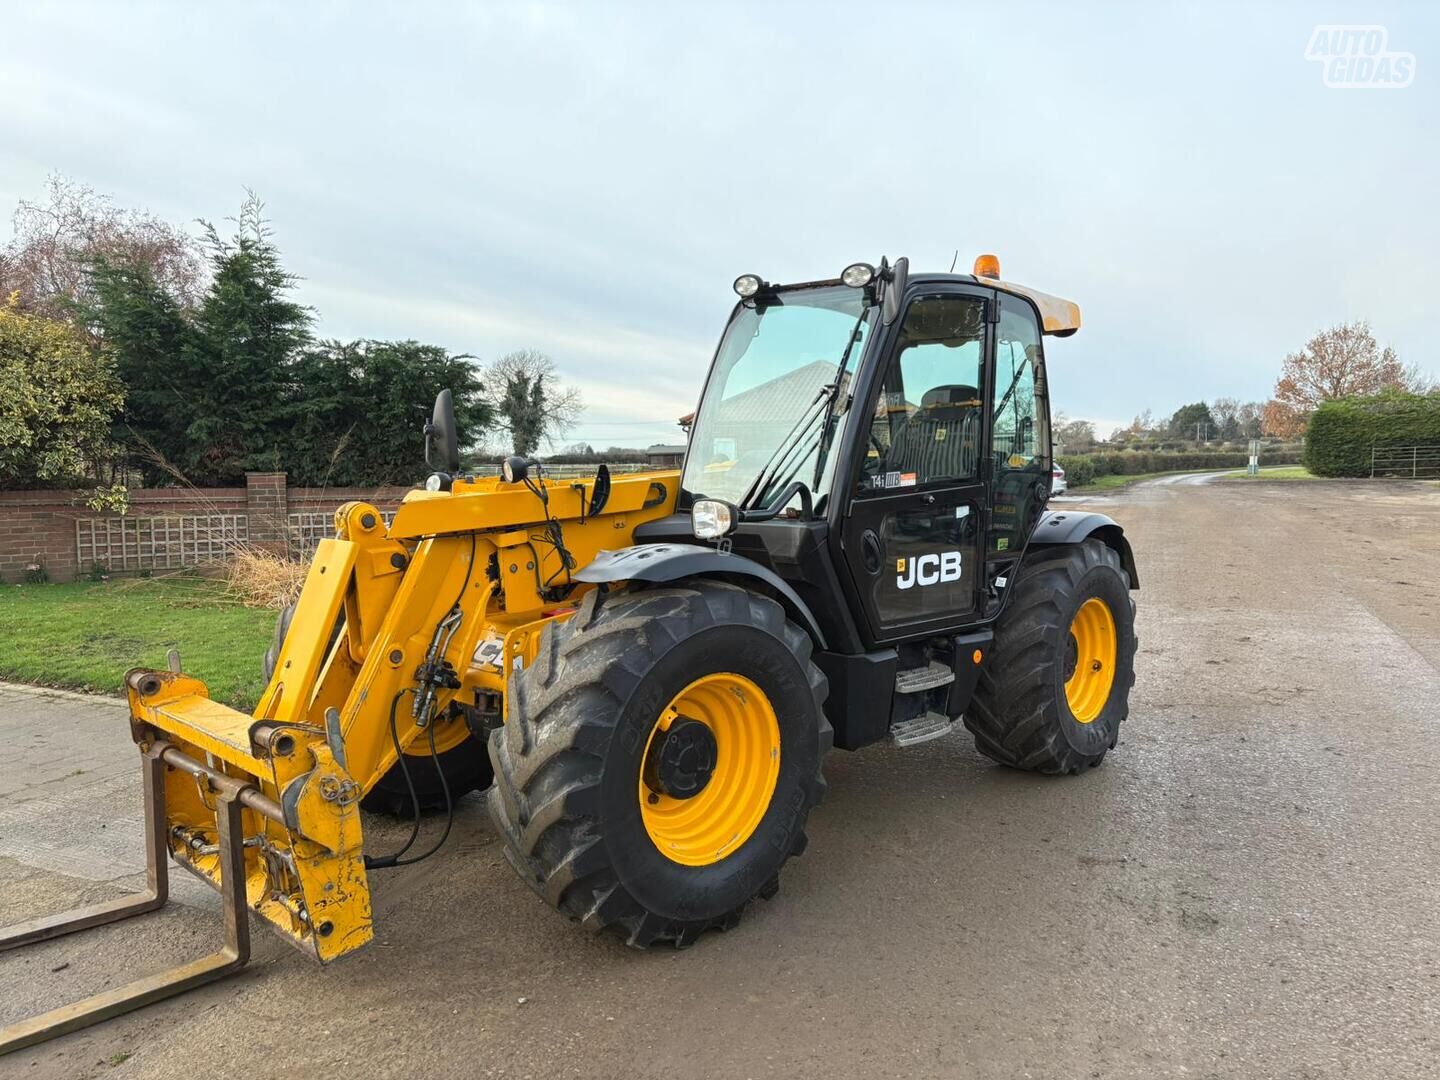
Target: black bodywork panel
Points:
(861, 689)
(672, 561)
(1069, 527)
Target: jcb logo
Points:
(931, 569)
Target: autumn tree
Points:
(58, 240)
(529, 400)
(1281, 421)
(1343, 361)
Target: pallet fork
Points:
(231, 797)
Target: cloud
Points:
(588, 179)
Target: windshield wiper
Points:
(804, 437)
(1014, 383)
(796, 437)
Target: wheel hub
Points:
(681, 763)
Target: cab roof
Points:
(1058, 316)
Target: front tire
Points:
(660, 758)
(1056, 687)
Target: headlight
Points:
(437, 481)
(747, 285)
(857, 275)
(514, 469)
(712, 519)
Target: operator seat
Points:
(941, 439)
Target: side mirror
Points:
(441, 441)
(899, 277)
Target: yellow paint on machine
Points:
(320, 737)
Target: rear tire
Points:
(466, 766)
(576, 752)
(1024, 712)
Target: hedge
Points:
(1342, 433)
(1082, 469)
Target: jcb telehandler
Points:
(856, 549)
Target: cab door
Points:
(913, 538)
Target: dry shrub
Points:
(262, 579)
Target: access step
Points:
(921, 729)
(914, 680)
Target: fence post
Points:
(1414, 462)
(267, 505)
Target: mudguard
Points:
(1070, 527)
(670, 562)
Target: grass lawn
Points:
(1289, 472)
(86, 635)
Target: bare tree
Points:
(529, 400)
(1251, 418)
(59, 238)
(1076, 436)
(1416, 381)
(1225, 412)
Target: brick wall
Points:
(42, 526)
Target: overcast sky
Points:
(589, 180)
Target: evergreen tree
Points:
(248, 333)
(145, 330)
(366, 402)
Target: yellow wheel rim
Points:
(708, 826)
(1094, 645)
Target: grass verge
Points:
(1289, 472)
(86, 635)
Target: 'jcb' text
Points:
(929, 569)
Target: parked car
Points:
(1057, 480)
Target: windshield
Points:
(771, 366)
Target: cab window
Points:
(1020, 438)
(927, 420)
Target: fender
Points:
(1069, 527)
(670, 562)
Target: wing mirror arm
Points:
(895, 279)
